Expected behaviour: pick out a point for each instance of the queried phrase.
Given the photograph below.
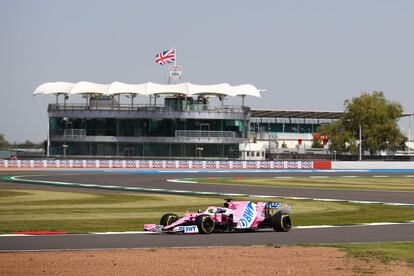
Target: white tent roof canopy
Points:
(124, 88)
(219, 89)
(54, 88)
(247, 90)
(85, 87)
(146, 89)
(156, 88)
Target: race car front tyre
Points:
(168, 219)
(281, 222)
(205, 224)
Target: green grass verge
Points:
(385, 252)
(359, 183)
(80, 212)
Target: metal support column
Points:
(360, 142)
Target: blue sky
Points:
(309, 55)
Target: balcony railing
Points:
(204, 134)
(147, 108)
(80, 133)
(74, 133)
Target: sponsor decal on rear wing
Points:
(282, 206)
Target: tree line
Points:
(371, 118)
(4, 144)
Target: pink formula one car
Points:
(234, 216)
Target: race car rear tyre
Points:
(168, 219)
(281, 222)
(205, 224)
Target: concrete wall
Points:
(370, 165)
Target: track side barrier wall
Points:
(196, 164)
(372, 165)
(164, 164)
(322, 165)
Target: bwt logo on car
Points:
(248, 215)
(187, 229)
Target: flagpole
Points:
(175, 64)
(169, 76)
(175, 60)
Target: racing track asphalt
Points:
(403, 232)
(375, 233)
(160, 181)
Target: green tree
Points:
(317, 143)
(378, 119)
(27, 145)
(3, 141)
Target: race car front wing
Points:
(187, 229)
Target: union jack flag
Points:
(165, 57)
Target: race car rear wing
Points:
(279, 206)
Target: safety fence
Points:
(164, 164)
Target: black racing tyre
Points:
(205, 224)
(168, 219)
(281, 222)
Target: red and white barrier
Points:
(165, 164)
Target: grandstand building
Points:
(178, 121)
(280, 131)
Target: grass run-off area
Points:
(80, 212)
(344, 183)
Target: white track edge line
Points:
(296, 227)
